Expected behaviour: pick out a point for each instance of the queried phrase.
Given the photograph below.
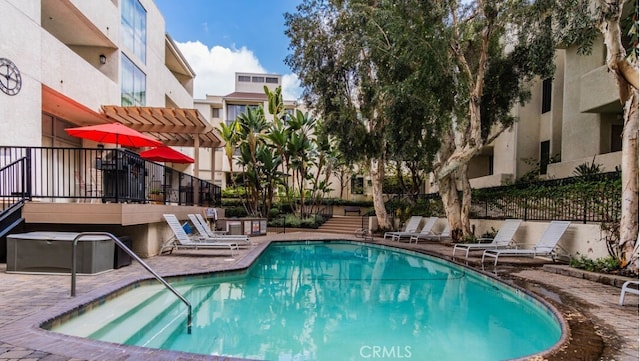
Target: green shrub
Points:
(601, 265)
(230, 192)
(274, 212)
(234, 212)
(231, 202)
(293, 221)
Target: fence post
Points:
(27, 177)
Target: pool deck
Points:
(599, 325)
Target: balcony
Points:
(97, 186)
(598, 92)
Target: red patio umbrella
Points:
(165, 154)
(114, 133)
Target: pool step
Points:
(165, 327)
(160, 307)
(95, 318)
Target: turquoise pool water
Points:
(331, 301)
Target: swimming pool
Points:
(328, 301)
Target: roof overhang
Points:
(246, 96)
(61, 106)
(175, 60)
(172, 126)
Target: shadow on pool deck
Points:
(600, 328)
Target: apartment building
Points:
(91, 62)
(573, 118)
(71, 63)
(248, 93)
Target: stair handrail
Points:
(13, 194)
(13, 163)
(122, 246)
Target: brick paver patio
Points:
(27, 300)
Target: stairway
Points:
(342, 224)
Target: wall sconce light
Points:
(103, 59)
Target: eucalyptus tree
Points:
(496, 48)
(349, 65)
(331, 60)
(578, 23)
(411, 80)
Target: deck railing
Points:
(97, 175)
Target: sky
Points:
(221, 37)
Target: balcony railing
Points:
(97, 175)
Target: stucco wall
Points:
(583, 239)
(580, 131)
(579, 238)
(20, 114)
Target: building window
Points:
(546, 95)
(545, 155)
(357, 185)
(271, 80)
(134, 28)
(133, 84)
(235, 110)
(215, 112)
(258, 79)
(616, 137)
(53, 134)
(244, 78)
(490, 165)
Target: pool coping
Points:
(28, 332)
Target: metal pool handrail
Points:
(134, 256)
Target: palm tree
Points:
(229, 134)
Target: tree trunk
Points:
(376, 171)
(630, 211)
(609, 25)
(449, 194)
(466, 201)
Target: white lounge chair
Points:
(206, 234)
(546, 246)
(204, 223)
(627, 287)
(502, 239)
(427, 229)
(445, 234)
(411, 226)
(181, 239)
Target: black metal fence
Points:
(593, 198)
(96, 175)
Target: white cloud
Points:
(215, 69)
(291, 87)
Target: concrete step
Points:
(341, 224)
